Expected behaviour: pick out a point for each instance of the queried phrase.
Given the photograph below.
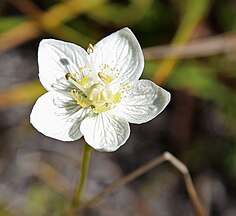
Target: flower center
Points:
(95, 95)
(92, 91)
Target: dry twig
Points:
(150, 165)
(214, 45)
(50, 20)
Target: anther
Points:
(102, 76)
(68, 76)
(90, 49)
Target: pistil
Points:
(98, 96)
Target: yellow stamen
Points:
(116, 97)
(82, 102)
(73, 80)
(84, 81)
(68, 76)
(104, 77)
(90, 49)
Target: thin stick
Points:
(188, 182)
(146, 167)
(220, 44)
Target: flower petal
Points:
(57, 116)
(143, 102)
(119, 55)
(105, 132)
(56, 58)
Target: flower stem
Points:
(83, 175)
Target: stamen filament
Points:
(70, 79)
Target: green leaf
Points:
(201, 81)
(7, 23)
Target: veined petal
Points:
(57, 58)
(57, 116)
(143, 102)
(105, 132)
(119, 55)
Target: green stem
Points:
(83, 175)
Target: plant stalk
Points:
(83, 175)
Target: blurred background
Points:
(190, 50)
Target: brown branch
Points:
(27, 7)
(19, 35)
(50, 20)
(150, 165)
(188, 182)
(219, 44)
(214, 45)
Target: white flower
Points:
(95, 93)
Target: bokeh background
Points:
(190, 50)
